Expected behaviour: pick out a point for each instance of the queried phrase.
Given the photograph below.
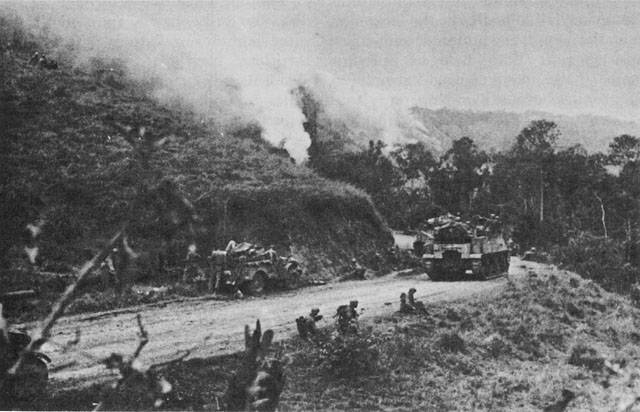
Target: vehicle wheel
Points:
(485, 272)
(256, 286)
(292, 281)
(435, 275)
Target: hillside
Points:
(497, 130)
(72, 159)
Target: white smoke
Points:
(207, 57)
(370, 114)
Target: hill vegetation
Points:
(547, 194)
(85, 150)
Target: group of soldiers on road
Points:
(40, 60)
(347, 315)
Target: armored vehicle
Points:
(466, 250)
(251, 270)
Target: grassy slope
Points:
(66, 150)
(513, 350)
(65, 159)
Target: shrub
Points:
(496, 346)
(451, 342)
(599, 259)
(349, 355)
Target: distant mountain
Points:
(497, 130)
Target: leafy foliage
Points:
(602, 260)
(349, 355)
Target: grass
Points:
(515, 349)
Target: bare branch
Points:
(73, 342)
(144, 338)
(43, 334)
(131, 371)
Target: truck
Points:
(252, 270)
(466, 250)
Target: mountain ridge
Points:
(496, 130)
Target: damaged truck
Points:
(251, 270)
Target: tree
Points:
(534, 153)
(624, 149)
(459, 176)
(539, 138)
(415, 161)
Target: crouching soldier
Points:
(347, 317)
(35, 59)
(301, 324)
(417, 305)
(404, 306)
(311, 320)
(307, 325)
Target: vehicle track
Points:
(215, 327)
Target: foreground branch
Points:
(131, 371)
(44, 333)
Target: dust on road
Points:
(216, 327)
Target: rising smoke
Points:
(207, 56)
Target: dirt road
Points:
(216, 327)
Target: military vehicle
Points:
(251, 270)
(465, 249)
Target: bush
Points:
(349, 356)
(599, 259)
(451, 342)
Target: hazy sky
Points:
(565, 57)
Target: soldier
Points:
(392, 255)
(108, 270)
(307, 325)
(418, 247)
(42, 61)
(357, 271)
(35, 59)
(347, 317)
(302, 327)
(404, 306)
(315, 314)
(191, 263)
(218, 261)
(418, 306)
(311, 320)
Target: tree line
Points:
(544, 193)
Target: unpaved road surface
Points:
(215, 327)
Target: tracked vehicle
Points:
(465, 250)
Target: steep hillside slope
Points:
(80, 145)
(497, 130)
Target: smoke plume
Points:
(212, 57)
